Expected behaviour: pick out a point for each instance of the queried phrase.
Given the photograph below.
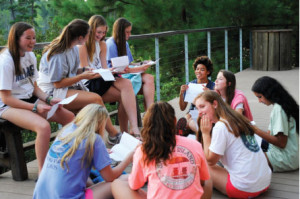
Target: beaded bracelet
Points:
(48, 99)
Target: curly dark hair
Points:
(206, 62)
(159, 132)
(273, 91)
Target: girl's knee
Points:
(95, 98)
(64, 116)
(148, 78)
(123, 83)
(43, 128)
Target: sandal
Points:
(181, 127)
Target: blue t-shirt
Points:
(112, 51)
(56, 182)
(210, 85)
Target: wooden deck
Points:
(283, 185)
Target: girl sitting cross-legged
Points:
(282, 138)
(203, 68)
(174, 166)
(225, 85)
(228, 137)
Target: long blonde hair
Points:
(94, 22)
(92, 118)
(72, 31)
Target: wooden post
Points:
(16, 155)
(285, 50)
(272, 49)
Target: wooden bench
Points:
(12, 149)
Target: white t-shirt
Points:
(21, 86)
(96, 63)
(248, 168)
(59, 66)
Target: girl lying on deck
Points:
(283, 132)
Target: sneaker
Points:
(181, 127)
(115, 139)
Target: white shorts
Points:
(3, 109)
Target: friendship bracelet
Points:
(48, 99)
(83, 69)
(35, 106)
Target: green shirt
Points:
(288, 158)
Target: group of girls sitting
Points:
(26, 94)
(225, 131)
(172, 165)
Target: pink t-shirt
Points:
(179, 178)
(238, 98)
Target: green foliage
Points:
(170, 89)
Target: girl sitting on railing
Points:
(117, 46)
(78, 147)
(93, 55)
(282, 138)
(22, 102)
(60, 74)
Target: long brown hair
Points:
(119, 35)
(231, 83)
(72, 31)
(15, 33)
(94, 22)
(237, 123)
(158, 132)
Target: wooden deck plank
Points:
(14, 196)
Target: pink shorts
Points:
(233, 192)
(89, 194)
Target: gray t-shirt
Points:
(59, 66)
